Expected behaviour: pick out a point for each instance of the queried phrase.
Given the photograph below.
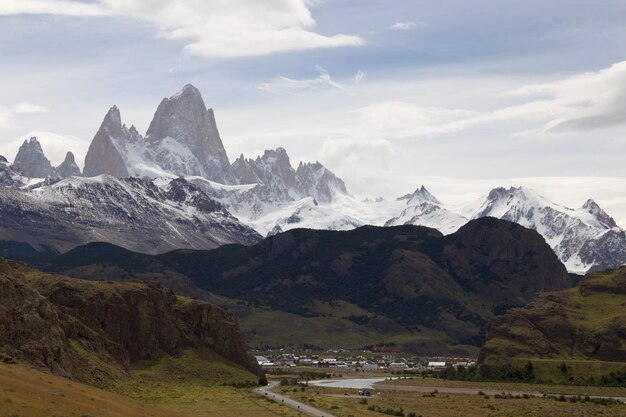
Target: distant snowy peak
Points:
(315, 180)
(135, 213)
(583, 239)
(420, 195)
(429, 215)
(511, 204)
(31, 162)
(273, 171)
(604, 220)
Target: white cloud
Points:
(29, 108)
(214, 28)
(285, 85)
(407, 25)
(57, 7)
(579, 103)
(8, 114)
(6, 118)
(54, 145)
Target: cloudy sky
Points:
(389, 94)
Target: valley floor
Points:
(410, 402)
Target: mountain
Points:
(584, 239)
(183, 138)
(423, 209)
(419, 196)
(587, 322)
(92, 331)
(9, 177)
(31, 162)
(268, 193)
(68, 167)
(108, 151)
(432, 292)
(271, 186)
(131, 212)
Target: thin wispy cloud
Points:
(285, 85)
(358, 77)
(214, 28)
(407, 25)
(29, 108)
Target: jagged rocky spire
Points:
(68, 167)
(103, 157)
(183, 121)
(31, 162)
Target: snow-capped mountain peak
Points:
(420, 195)
(603, 219)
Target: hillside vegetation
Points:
(92, 331)
(585, 322)
(407, 285)
(573, 336)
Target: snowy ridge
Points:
(133, 213)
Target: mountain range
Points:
(175, 187)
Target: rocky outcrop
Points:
(104, 156)
(30, 327)
(68, 167)
(58, 323)
(499, 244)
(586, 322)
(31, 162)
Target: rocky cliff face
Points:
(31, 162)
(58, 323)
(183, 138)
(588, 321)
(68, 167)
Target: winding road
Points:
(289, 402)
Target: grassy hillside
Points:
(585, 322)
(165, 387)
(570, 336)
